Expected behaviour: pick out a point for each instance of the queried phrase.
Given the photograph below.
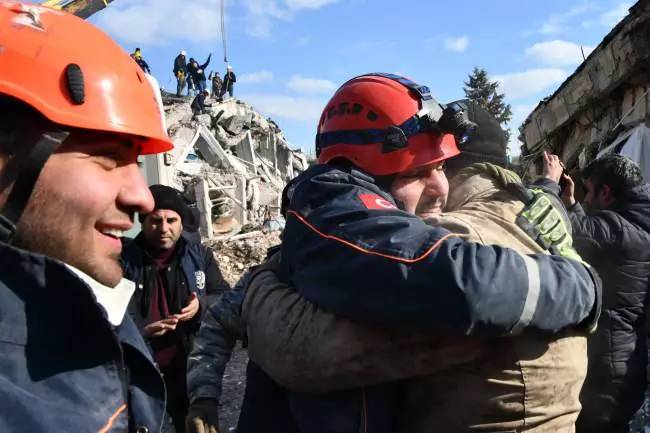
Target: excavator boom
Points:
(81, 8)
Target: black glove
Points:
(203, 416)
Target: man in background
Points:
(175, 279)
(612, 232)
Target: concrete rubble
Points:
(232, 162)
(599, 104)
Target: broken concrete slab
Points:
(246, 149)
(235, 125)
(204, 204)
(203, 119)
(243, 156)
(213, 153)
(225, 139)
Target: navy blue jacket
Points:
(194, 70)
(347, 248)
(180, 65)
(200, 275)
(198, 104)
(63, 367)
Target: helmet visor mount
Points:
(433, 117)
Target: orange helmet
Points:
(76, 75)
(78, 78)
(385, 124)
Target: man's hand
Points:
(553, 167)
(189, 310)
(161, 327)
(568, 194)
(203, 416)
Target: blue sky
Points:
(290, 55)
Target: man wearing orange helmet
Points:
(69, 187)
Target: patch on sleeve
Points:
(200, 280)
(375, 202)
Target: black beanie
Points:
(487, 144)
(166, 197)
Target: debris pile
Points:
(232, 162)
(236, 255)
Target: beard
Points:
(430, 208)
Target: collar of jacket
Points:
(636, 207)
(114, 300)
(33, 283)
(477, 182)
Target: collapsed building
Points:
(604, 106)
(231, 162)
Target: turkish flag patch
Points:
(375, 202)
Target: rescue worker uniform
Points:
(72, 360)
(529, 382)
(180, 72)
(229, 81)
(197, 73)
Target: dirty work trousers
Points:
(180, 85)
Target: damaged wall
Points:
(607, 95)
(231, 161)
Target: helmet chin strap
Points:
(31, 165)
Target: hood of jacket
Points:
(478, 182)
(636, 208)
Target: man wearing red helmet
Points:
(69, 187)
(353, 246)
(381, 142)
(527, 381)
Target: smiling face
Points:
(422, 191)
(83, 201)
(161, 229)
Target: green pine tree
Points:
(480, 89)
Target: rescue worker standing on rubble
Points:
(175, 279)
(529, 382)
(72, 361)
(229, 81)
(216, 85)
(197, 72)
(180, 72)
(386, 258)
(137, 57)
(614, 236)
(199, 105)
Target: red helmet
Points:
(384, 124)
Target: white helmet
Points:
(229, 67)
(183, 53)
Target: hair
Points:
(18, 122)
(618, 172)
